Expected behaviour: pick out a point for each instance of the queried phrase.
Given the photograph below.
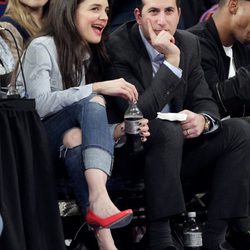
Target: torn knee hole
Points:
(72, 138)
(99, 99)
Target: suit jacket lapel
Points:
(144, 64)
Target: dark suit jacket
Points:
(130, 60)
(233, 95)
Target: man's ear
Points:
(179, 10)
(137, 14)
(233, 6)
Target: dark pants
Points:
(218, 162)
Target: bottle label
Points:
(192, 239)
(131, 126)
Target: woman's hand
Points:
(143, 127)
(118, 87)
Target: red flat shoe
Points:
(118, 220)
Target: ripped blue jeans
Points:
(96, 150)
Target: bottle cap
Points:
(191, 214)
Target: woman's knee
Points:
(84, 103)
(96, 105)
(72, 138)
(99, 99)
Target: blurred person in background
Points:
(192, 11)
(24, 18)
(121, 12)
(6, 63)
(205, 16)
(2, 7)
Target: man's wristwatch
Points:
(207, 124)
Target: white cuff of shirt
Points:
(175, 70)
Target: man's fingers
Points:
(151, 32)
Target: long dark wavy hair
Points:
(71, 48)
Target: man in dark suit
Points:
(199, 150)
(223, 35)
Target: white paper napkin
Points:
(172, 116)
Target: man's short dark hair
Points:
(139, 4)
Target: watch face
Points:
(207, 124)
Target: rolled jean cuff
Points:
(104, 161)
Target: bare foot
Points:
(99, 200)
(102, 206)
(105, 239)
